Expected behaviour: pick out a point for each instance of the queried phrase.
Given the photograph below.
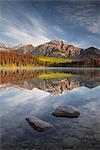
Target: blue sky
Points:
(37, 22)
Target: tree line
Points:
(18, 60)
(85, 62)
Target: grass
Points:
(55, 60)
(21, 66)
(54, 75)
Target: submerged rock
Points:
(38, 124)
(66, 111)
(69, 142)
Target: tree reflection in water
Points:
(46, 80)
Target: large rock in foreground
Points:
(66, 111)
(38, 124)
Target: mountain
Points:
(30, 79)
(4, 48)
(23, 49)
(3, 45)
(91, 51)
(20, 49)
(56, 48)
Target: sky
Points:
(36, 22)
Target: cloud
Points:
(95, 27)
(58, 29)
(74, 20)
(81, 13)
(34, 32)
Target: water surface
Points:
(37, 93)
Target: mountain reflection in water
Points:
(38, 93)
(55, 81)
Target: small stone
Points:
(66, 111)
(38, 125)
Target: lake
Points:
(38, 92)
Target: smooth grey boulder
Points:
(66, 111)
(38, 125)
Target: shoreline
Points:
(47, 68)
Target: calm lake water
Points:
(37, 93)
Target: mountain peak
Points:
(56, 48)
(92, 48)
(25, 49)
(57, 42)
(22, 45)
(3, 45)
(91, 51)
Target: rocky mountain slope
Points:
(5, 48)
(20, 49)
(23, 49)
(91, 51)
(54, 48)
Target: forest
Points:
(9, 59)
(85, 62)
(12, 59)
